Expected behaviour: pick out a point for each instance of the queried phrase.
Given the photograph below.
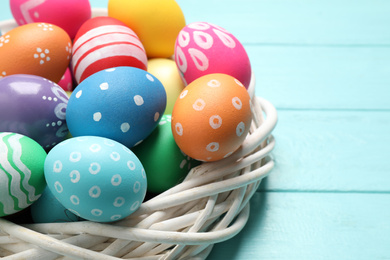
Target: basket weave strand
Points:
(210, 206)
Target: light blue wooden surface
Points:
(325, 65)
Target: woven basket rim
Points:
(154, 225)
(210, 206)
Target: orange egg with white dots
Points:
(40, 49)
(211, 117)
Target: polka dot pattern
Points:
(212, 117)
(44, 52)
(104, 86)
(133, 99)
(98, 178)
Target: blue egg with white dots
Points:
(124, 104)
(96, 178)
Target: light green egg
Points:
(22, 178)
(165, 164)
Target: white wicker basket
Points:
(211, 205)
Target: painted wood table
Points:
(325, 65)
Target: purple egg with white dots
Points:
(96, 178)
(33, 106)
(122, 103)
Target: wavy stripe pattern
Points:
(15, 191)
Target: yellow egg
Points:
(166, 71)
(156, 22)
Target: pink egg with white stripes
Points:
(69, 15)
(202, 48)
(105, 42)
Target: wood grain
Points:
(325, 65)
(309, 77)
(307, 22)
(319, 150)
(315, 225)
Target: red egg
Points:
(105, 42)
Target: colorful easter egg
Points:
(69, 15)
(35, 107)
(47, 209)
(105, 42)
(66, 82)
(165, 164)
(166, 71)
(124, 104)
(202, 48)
(211, 117)
(40, 49)
(96, 178)
(22, 178)
(156, 22)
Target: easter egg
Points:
(156, 22)
(66, 82)
(96, 178)
(40, 49)
(47, 209)
(166, 71)
(35, 107)
(165, 164)
(123, 103)
(105, 42)
(22, 179)
(211, 117)
(69, 15)
(202, 48)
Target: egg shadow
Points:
(20, 217)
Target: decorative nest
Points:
(210, 206)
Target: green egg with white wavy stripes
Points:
(22, 179)
(165, 164)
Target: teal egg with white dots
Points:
(122, 103)
(96, 178)
(47, 209)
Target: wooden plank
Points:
(305, 226)
(5, 12)
(331, 22)
(322, 77)
(331, 151)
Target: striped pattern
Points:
(15, 191)
(105, 47)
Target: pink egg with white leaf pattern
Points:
(69, 14)
(66, 82)
(202, 48)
